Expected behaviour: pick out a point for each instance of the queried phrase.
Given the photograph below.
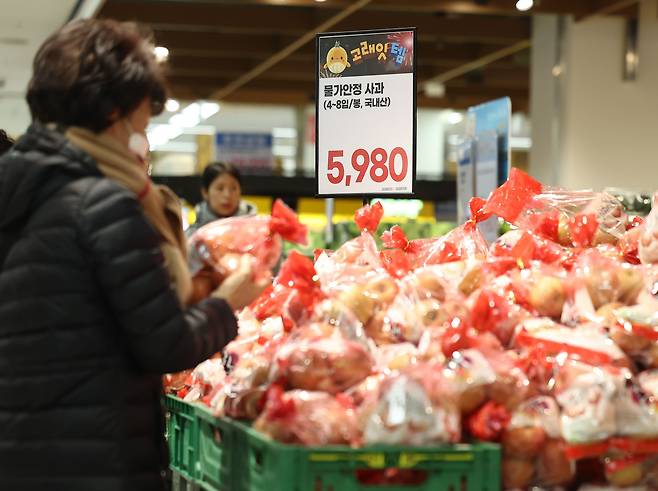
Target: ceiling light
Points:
(320, 1)
(455, 118)
(208, 109)
(522, 142)
(162, 133)
(284, 132)
(454, 140)
(161, 54)
(172, 105)
(188, 117)
(435, 89)
(524, 5)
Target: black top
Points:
(88, 324)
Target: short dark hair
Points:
(216, 169)
(91, 68)
(5, 142)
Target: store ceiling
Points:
(24, 24)
(215, 44)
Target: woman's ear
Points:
(204, 193)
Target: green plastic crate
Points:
(216, 451)
(231, 456)
(265, 465)
(182, 436)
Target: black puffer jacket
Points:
(88, 323)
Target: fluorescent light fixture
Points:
(161, 54)
(201, 129)
(455, 118)
(434, 89)
(178, 147)
(284, 151)
(284, 132)
(186, 121)
(188, 117)
(522, 142)
(208, 109)
(192, 111)
(455, 140)
(172, 105)
(160, 134)
(524, 5)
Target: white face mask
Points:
(137, 143)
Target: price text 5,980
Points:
(378, 164)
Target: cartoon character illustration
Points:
(337, 59)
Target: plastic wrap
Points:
(542, 290)
(329, 364)
(411, 408)
(648, 240)
(293, 294)
(525, 247)
(631, 471)
(463, 243)
(489, 422)
(172, 383)
(636, 409)
(470, 375)
(629, 244)
(253, 337)
(355, 258)
(589, 342)
(413, 312)
(397, 356)
(220, 244)
(493, 311)
(307, 418)
(636, 333)
(367, 217)
(205, 378)
(532, 440)
(606, 280)
(569, 218)
(587, 396)
(369, 295)
(249, 377)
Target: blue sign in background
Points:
(496, 116)
(245, 150)
(244, 140)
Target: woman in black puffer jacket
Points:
(93, 290)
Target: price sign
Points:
(366, 113)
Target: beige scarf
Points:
(160, 205)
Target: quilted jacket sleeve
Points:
(129, 266)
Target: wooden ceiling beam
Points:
(578, 8)
(200, 60)
(202, 18)
(489, 77)
(194, 48)
(301, 66)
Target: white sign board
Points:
(366, 113)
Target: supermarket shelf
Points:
(290, 189)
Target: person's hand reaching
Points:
(240, 288)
